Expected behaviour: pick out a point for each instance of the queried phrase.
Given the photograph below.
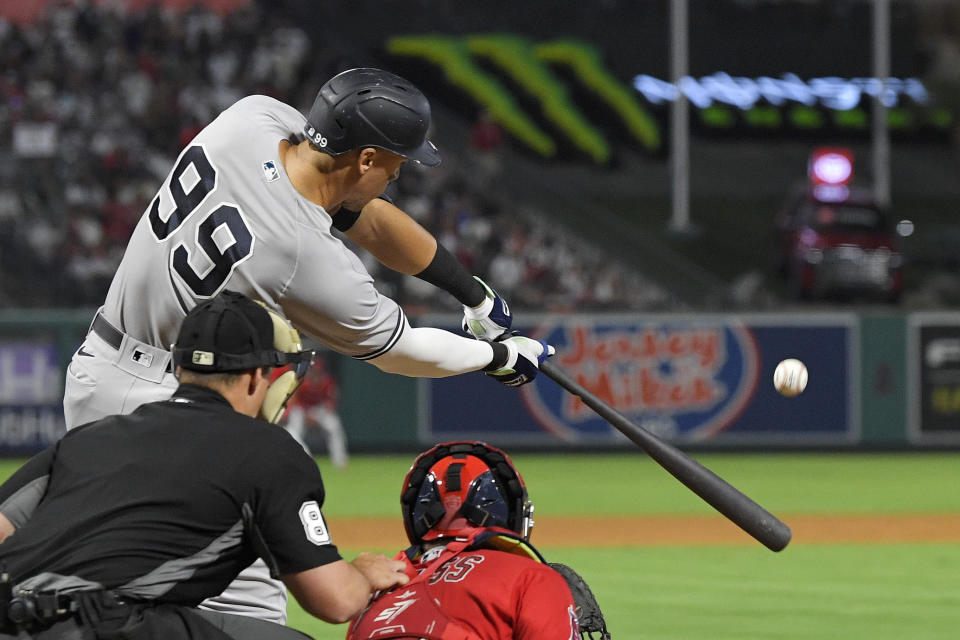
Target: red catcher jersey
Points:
(480, 594)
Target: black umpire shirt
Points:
(168, 503)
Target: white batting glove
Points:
(491, 319)
(523, 362)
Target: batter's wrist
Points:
(482, 310)
(445, 272)
(501, 356)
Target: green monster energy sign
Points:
(736, 106)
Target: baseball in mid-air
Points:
(790, 377)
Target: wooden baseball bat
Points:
(717, 492)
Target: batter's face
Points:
(377, 168)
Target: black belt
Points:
(113, 336)
(38, 609)
(30, 611)
(109, 333)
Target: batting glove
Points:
(491, 319)
(523, 360)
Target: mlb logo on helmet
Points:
(315, 136)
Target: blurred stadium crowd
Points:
(96, 103)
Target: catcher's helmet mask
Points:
(457, 487)
(367, 107)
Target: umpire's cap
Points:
(231, 332)
(367, 107)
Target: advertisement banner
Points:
(31, 396)
(935, 356)
(686, 378)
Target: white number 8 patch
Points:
(313, 524)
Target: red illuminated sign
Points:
(830, 166)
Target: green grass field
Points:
(823, 591)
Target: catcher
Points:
(473, 573)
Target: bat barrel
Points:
(714, 490)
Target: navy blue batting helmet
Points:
(367, 107)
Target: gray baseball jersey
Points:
(228, 217)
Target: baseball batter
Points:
(248, 207)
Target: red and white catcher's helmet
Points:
(457, 487)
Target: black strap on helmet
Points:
(239, 362)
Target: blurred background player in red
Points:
(473, 573)
(314, 406)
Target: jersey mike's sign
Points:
(681, 380)
(687, 378)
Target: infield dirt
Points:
(594, 531)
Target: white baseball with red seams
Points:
(790, 377)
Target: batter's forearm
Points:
(334, 592)
(394, 238)
(445, 272)
(400, 243)
(425, 352)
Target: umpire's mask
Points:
(232, 333)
